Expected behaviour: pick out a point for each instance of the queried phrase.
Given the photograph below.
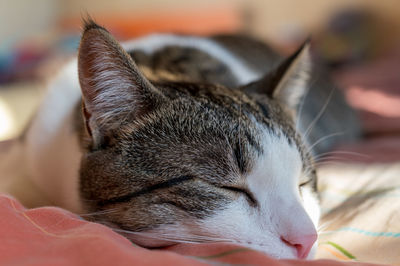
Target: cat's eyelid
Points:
(308, 181)
(245, 191)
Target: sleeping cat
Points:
(186, 139)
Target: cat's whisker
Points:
(175, 237)
(300, 110)
(327, 154)
(330, 163)
(332, 159)
(318, 116)
(90, 214)
(328, 223)
(321, 228)
(322, 139)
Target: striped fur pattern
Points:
(176, 146)
(181, 139)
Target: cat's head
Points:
(171, 162)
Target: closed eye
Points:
(248, 194)
(305, 183)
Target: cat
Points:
(171, 138)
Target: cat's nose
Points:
(302, 243)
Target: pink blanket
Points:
(53, 236)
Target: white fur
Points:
(115, 92)
(274, 183)
(152, 43)
(52, 149)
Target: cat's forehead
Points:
(234, 104)
(212, 134)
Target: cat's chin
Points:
(286, 253)
(151, 243)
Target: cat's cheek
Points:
(241, 224)
(311, 205)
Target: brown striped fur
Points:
(169, 137)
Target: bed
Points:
(359, 187)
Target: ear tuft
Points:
(293, 75)
(113, 89)
(288, 82)
(89, 23)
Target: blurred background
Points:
(358, 39)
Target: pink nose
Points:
(302, 243)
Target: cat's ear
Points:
(113, 89)
(288, 82)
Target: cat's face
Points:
(180, 162)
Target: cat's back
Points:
(236, 60)
(191, 59)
